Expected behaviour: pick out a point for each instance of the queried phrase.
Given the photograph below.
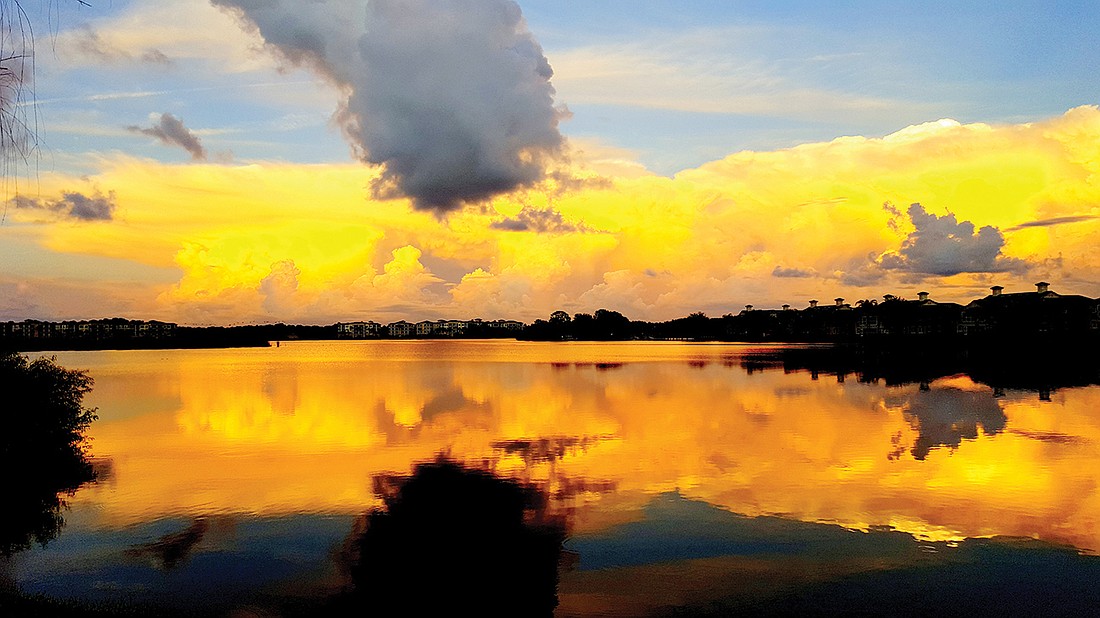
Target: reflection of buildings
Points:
(1001, 367)
(772, 442)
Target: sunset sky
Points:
(253, 161)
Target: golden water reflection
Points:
(304, 428)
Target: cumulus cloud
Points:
(172, 132)
(861, 275)
(707, 239)
(279, 286)
(95, 207)
(944, 246)
(452, 97)
(541, 220)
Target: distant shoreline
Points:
(1039, 320)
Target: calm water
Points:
(232, 477)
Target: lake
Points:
(688, 477)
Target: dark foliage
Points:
(604, 325)
(41, 447)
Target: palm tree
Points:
(18, 119)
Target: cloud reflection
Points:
(949, 462)
(947, 416)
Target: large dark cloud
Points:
(944, 246)
(171, 131)
(452, 97)
(95, 207)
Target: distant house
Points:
(506, 324)
(113, 329)
(1042, 312)
(898, 317)
(358, 330)
(450, 328)
(400, 329)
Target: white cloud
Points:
(168, 33)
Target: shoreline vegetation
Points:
(43, 447)
(1042, 318)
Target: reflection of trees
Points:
(997, 366)
(456, 541)
(173, 549)
(550, 450)
(547, 449)
(41, 447)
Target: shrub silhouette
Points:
(42, 451)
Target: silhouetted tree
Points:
(611, 324)
(42, 446)
(584, 326)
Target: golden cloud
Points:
(711, 238)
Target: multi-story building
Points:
(93, 330)
(358, 330)
(400, 329)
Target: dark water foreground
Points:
(453, 540)
(482, 478)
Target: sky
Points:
(248, 161)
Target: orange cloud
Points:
(714, 238)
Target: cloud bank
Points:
(233, 243)
(452, 97)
